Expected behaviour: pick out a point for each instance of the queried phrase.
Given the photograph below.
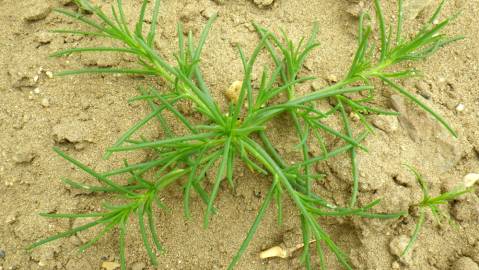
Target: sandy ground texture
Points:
(85, 114)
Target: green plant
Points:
(433, 204)
(239, 135)
(84, 5)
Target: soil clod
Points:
(397, 245)
(234, 91)
(36, 11)
(23, 157)
(413, 8)
(138, 266)
(263, 3)
(466, 209)
(71, 131)
(465, 263)
(388, 124)
(78, 264)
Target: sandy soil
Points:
(85, 114)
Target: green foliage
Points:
(84, 5)
(238, 134)
(431, 203)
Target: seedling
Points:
(237, 134)
(431, 203)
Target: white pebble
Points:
(460, 107)
(441, 80)
(35, 78)
(332, 78)
(209, 12)
(470, 179)
(36, 90)
(45, 102)
(49, 74)
(10, 219)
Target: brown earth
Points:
(85, 114)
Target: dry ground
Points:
(85, 114)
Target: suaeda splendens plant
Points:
(239, 134)
(432, 203)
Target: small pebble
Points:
(80, 145)
(460, 107)
(470, 179)
(332, 78)
(110, 266)
(43, 37)
(36, 90)
(263, 3)
(10, 219)
(49, 74)
(441, 80)
(424, 89)
(209, 12)
(45, 102)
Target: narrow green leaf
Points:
(95, 49)
(106, 70)
(254, 227)
(91, 172)
(154, 23)
(219, 178)
(422, 217)
(382, 30)
(410, 96)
